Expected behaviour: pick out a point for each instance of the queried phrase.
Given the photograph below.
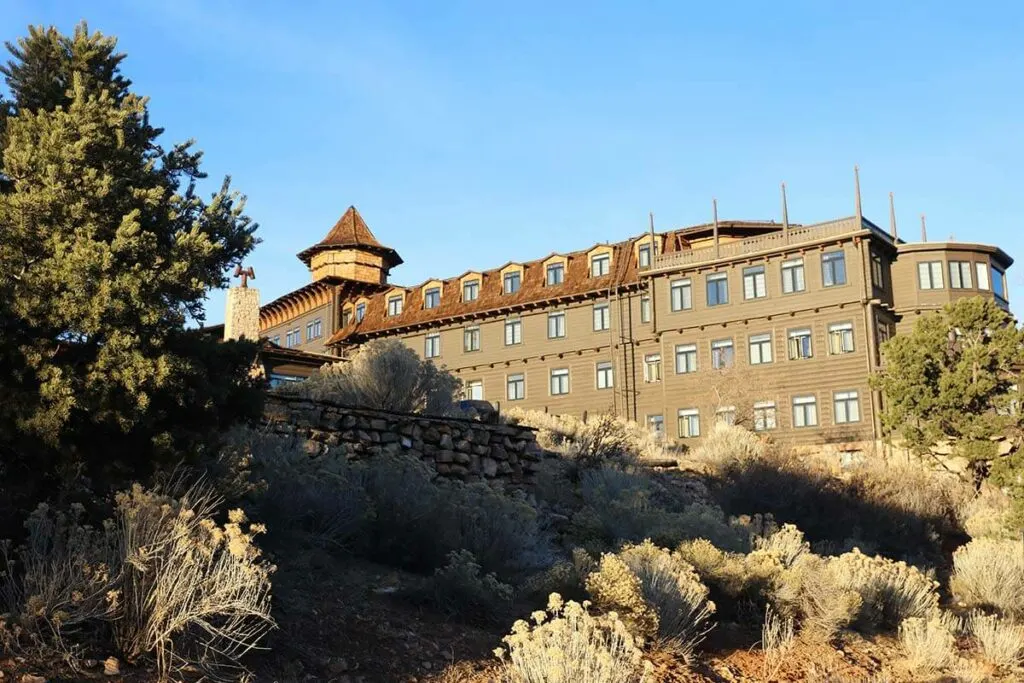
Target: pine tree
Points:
(954, 377)
(106, 251)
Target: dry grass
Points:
(787, 544)
(989, 573)
(890, 592)
(727, 445)
(568, 645)
(777, 641)
(600, 438)
(811, 590)
(1000, 641)
(928, 643)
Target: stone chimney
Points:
(242, 319)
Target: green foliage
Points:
(952, 377)
(459, 588)
(106, 251)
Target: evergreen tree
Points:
(106, 250)
(954, 377)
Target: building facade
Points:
(774, 326)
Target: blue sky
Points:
(472, 133)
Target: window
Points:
(718, 289)
(929, 275)
(846, 407)
(960, 275)
(360, 312)
(292, 338)
(643, 255)
(652, 367)
(645, 309)
(726, 415)
(686, 358)
(760, 349)
(805, 411)
(314, 329)
(877, 274)
(602, 317)
(800, 344)
(474, 390)
(793, 276)
(432, 298)
(276, 340)
(555, 274)
(560, 382)
(682, 295)
(604, 375)
(471, 339)
(840, 338)
(754, 284)
(656, 423)
(470, 290)
(556, 325)
(982, 271)
(515, 387)
(513, 332)
(510, 282)
(432, 346)
(346, 316)
(689, 423)
(999, 283)
(394, 305)
(884, 333)
(833, 268)
(600, 265)
(764, 416)
(721, 354)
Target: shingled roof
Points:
(351, 231)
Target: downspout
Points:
(870, 334)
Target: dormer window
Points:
(432, 297)
(395, 305)
(643, 255)
(555, 274)
(346, 316)
(511, 281)
(470, 290)
(600, 265)
(360, 312)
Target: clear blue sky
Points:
(472, 133)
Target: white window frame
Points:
(432, 345)
(556, 325)
(681, 295)
(981, 270)
(517, 382)
(759, 348)
(471, 338)
(513, 331)
(692, 417)
(656, 423)
(605, 377)
(755, 283)
(929, 275)
(652, 367)
(765, 416)
(723, 354)
(688, 353)
(846, 407)
(796, 335)
(805, 411)
(841, 339)
(468, 391)
(726, 414)
(602, 318)
(794, 277)
(600, 265)
(559, 377)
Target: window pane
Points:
(982, 271)
(754, 284)
(718, 289)
(682, 295)
(833, 268)
(645, 309)
(999, 283)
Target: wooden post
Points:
(714, 210)
(785, 216)
(856, 186)
(924, 230)
(892, 218)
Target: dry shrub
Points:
(728, 445)
(1000, 641)
(970, 671)
(989, 573)
(384, 374)
(734, 578)
(787, 544)
(987, 515)
(890, 591)
(459, 588)
(810, 591)
(674, 590)
(162, 577)
(615, 587)
(601, 438)
(928, 643)
(565, 577)
(568, 645)
(777, 641)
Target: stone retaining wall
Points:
(459, 448)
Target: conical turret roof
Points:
(351, 231)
